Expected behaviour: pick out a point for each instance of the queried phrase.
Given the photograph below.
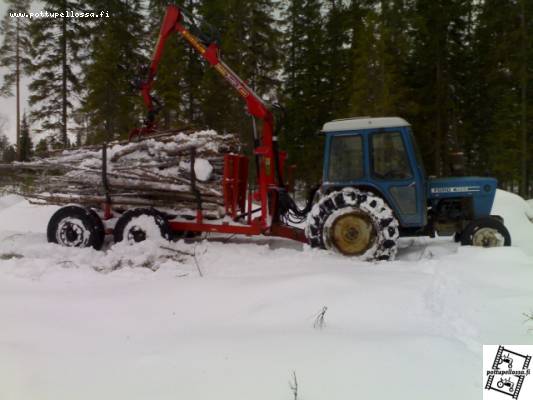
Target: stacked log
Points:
(151, 172)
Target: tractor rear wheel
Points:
(354, 223)
(139, 224)
(75, 226)
(486, 232)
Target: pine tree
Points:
(26, 145)
(57, 46)
(14, 53)
(115, 57)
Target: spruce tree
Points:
(304, 89)
(115, 59)
(57, 46)
(14, 55)
(180, 70)
(440, 48)
(41, 149)
(26, 145)
(495, 142)
(250, 46)
(337, 60)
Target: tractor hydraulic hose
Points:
(275, 149)
(288, 206)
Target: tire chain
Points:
(381, 214)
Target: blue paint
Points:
(423, 192)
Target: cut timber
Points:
(152, 172)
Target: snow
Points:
(202, 168)
(516, 213)
(138, 322)
(352, 124)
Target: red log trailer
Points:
(271, 194)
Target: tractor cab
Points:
(379, 155)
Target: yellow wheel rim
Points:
(353, 234)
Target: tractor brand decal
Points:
(456, 189)
(506, 371)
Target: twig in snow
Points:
(196, 261)
(12, 236)
(177, 251)
(293, 385)
(226, 240)
(9, 256)
(529, 318)
(67, 264)
(319, 318)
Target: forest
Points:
(458, 70)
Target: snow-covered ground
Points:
(140, 323)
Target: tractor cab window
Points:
(389, 158)
(345, 158)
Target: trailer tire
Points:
(99, 225)
(486, 232)
(75, 226)
(354, 223)
(139, 224)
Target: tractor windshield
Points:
(345, 158)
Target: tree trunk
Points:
(523, 87)
(64, 137)
(17, 84)
(438, 133)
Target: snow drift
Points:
(86, 324)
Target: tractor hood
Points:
(482, 190)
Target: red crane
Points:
(269, 160)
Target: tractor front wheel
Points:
(486, 232)
(354, 223)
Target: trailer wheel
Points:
(486, 232)
(139, 224)
(99, 225)
(75, 226)
(354, 223)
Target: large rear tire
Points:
(354, 223)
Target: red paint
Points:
(235, 166)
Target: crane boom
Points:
(266, 146)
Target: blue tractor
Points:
(374, 190)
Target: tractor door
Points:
(394, 168)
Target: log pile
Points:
(155, 171)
